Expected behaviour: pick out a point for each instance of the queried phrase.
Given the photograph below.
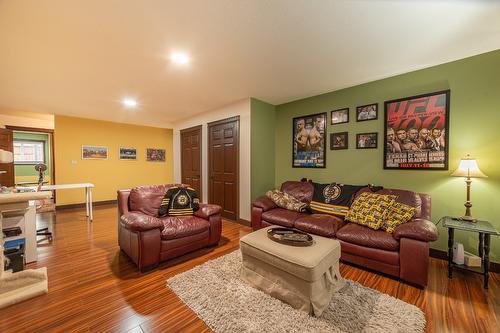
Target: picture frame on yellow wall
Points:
(155, 155)
(128, 153)
(94, 152)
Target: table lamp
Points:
(468, 168)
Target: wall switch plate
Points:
(73, 162)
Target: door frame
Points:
(189, 129)
(220, 122)
(51, 133)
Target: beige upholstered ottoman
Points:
(304, 277)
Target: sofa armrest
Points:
(141, 222)
(264, 203)
(122, 196)
(207, 210)
(418, 229)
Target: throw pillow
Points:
(284, 200)
(399, 213)
(179, 201)
(370, 209)
(334, 199)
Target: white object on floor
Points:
(458, 253)
(471, 260)
(88, 193)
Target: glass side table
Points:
(485, 230)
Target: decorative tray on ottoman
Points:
(289, 236)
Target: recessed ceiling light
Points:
(179, 58)
(129, 103)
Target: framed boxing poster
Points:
(417, 132)
(309, 141)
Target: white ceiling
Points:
(81, 57)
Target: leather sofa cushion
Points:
(360, 235)
(388, 257)
(302, 191)
(281, 216)
(182, 226)
(319, 224)
(147, 199)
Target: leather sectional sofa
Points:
(148, 239)
(403, 254)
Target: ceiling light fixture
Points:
(179, 58)
(129, 103)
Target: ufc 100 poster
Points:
(416, 132)
(309, 141)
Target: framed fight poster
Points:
(417, 132)
(309, 141)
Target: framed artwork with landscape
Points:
(367, 112)
(94, 152)
(417, 132)
(128, 153)
(339, 141)
(340, 116)
(309, 141)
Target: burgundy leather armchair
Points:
(403, 254)
(148, 239)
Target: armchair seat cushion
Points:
(175, 227)
(364, 236)
(319, 224)
(281, 216)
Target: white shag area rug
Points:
(215, 292)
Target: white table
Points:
(88, 193)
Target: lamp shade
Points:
(6, 156)
(468, 168)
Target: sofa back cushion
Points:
(302, 191)
(147, 199)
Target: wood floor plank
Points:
(94, 287)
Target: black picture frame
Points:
(304, 153)
(345, 145)
(371, 145)
(412, 111)
(359, 109)
(344, 111)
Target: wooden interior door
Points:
(191, 158)
(7, 143)
(223, 165)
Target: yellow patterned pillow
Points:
(370, 209)
(398, 214)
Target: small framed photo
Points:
(366, 140)
(155, 155)
(367, 112)
(129, 154)
(339, 141)
(94, 152)
(340, 116)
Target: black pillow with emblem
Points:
(334, 199)
(179, 201)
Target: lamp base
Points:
(468, 218)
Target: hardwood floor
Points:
(93, 287)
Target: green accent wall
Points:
(22, 171)
(262, 136)
(474, 128)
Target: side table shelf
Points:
(484, 230)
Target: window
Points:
(29, 152)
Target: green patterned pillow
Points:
(399, 213)
(370, 209)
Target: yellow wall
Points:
(112, 174)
